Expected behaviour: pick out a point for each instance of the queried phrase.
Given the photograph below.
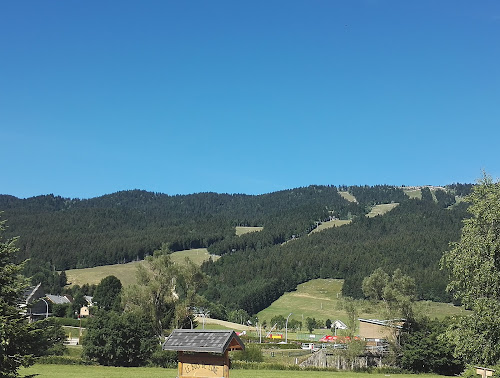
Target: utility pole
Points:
(286, 328)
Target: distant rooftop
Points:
(396, 323)
(57, 299)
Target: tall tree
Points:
(397, 291)
(165, 292)
(424, 350)
(107, 293)
(116, 339)
(14, 331)
(373, 286)
(473, 264)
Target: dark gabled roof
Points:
(32, 293)
(209, 341)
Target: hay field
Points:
(240, 230)
(381, 209)
(322, 299)
(348, 196)
(126, 272)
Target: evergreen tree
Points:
(15, 337)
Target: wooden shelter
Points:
(203, 353)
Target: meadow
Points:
(322, 299)
(126, 273)
(381, 209)
(81, 371)
(240, 230)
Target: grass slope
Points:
(240, 230)
(330, 224)
(126, 273)
(322, 299)
(413, 193)
(348, 196)
(381, 209)
(376, 210)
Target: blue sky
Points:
(248, 97)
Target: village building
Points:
(378, 333)
(33, 305)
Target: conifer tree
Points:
(14, 329)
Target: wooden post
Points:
(484, 372)
(179, 365)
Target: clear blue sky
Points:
(248, 97)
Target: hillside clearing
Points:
(330, 224)
(413, 193)
(322, 299)
(381, 209)
(240, 230)
(348, 196)
(126, 273)
(376, 210)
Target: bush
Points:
(252, 353)
(164, 358)
(115, 339)
(63, 360)
(71, 322)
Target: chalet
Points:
(33, 305)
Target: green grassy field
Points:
(322, 299)
(330, 224)
(126, 272)
(316, 298)
(348, 196)
(72, 371)
(381, 209)
(246, 230)
(413, 193)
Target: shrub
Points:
(252, 353)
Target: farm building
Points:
(377, 333)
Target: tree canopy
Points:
(119, 339)
(107, 294)
(473, 264)
(165, 292)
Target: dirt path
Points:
(236, 326)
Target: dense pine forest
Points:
(58, 233)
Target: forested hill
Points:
(411, 237)
(62, 233)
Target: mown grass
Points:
(245, 230)
(330, 224)
(322, 299)
(348, 196)
(126, 273)
(381, 209)
(413, 193)
(81, 371)
(316, 299)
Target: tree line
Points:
(59, 233)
